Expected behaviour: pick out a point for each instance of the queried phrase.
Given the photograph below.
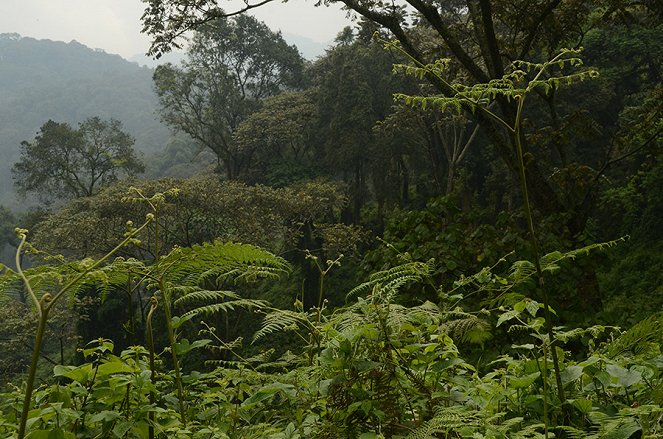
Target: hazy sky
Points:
(114, 25)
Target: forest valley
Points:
(448, 226)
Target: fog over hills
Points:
(309, 49)
(69, 82)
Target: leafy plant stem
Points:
(45, 304)
(24, 236)
(171, 341)
(41, 328)
(544, 375)
(150, 340)
(535, 248)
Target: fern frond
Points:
(387, 282)
(575, 333)
(638, 340)
(445, 421)
(572, 432)
(258, 360)
(465, 327)
(281, 320)
(226, 306)
(218, 262)
(193, 294)
(523, 271)
(118, 275)
(50, 278)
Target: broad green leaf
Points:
(624, 376)
(105, 416)
(511, 314)
(570, 374)
(584, 405)
(121, 428)
(532, 307)
(80, 374)
(114, 367)
(39, 434)
(524, 381)
(267, 392)
(624, 430)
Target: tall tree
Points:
(233, 64)
(63, 162)
(354, 87)
(280, 136)
(481, 37)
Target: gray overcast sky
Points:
(114, 25)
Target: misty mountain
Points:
(69, 82)
(175, 57)
(309, 49)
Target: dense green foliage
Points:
(514, 186)
(63, 162)
(232, 65)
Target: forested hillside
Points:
(69, 82)
(450, 225)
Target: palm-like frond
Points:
(283, 320)
(386, 283)
(218, 262)
(638, 340)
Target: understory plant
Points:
(373, 368)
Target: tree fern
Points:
(643, 338)
(217, 301)
(523, 78)
(220, 262)
(386, 283)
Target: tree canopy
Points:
(63, 162)
(233, 63)
(481, 39)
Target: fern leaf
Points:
(225, 307)
(281, 320)
(637, 340)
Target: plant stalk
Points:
(535, 248)
(43, 307)
(150, 342)
(171, 341)
(36, 352)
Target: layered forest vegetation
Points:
(447, 226)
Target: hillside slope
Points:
(69, 82)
